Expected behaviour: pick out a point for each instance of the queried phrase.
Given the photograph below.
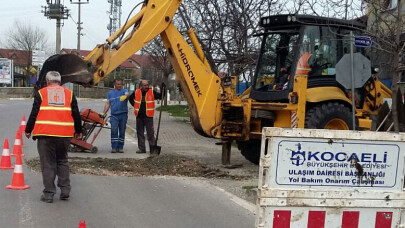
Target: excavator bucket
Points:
(71, 67)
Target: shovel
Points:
(156, 149)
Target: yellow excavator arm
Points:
(199, 84)
(154, 18)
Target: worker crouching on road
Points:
(53, 121)
(143, 100)
(117, 100)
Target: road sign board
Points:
(38, 57)
(363, 41)
(361, 70)
(38, 53)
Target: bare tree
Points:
(346, 9)
(26, 37)
(226, 29)
(386, 23)
(159, 58)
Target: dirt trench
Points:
(163, 165)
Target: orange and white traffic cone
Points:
(18, 183)
(20, 134)
(17, 148)
(23, 124)
(82, 224)
(5, 157)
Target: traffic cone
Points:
(17, 183)
(22, 125)
(82, 224)
(5, 157)
(17, 148)
(20, 134)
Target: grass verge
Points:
(176, 110)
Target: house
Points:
(21, 62)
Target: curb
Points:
(131, 131)
(19, 99)
(90, 99)
(241, 202)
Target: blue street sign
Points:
(363, 41)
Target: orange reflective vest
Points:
(303, 67)
(55, 113)
(150, 102)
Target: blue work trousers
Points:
(118, 126)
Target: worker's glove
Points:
(101, 114)
(123, 97)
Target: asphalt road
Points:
(112, 201)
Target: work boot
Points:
(140, 152)
(114, 151)
(120, 151)
(43, 199)
(64, 196)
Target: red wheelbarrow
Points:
(91, 121)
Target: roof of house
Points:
(144, 60)
(19, 57)
(135, 61)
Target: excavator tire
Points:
(250, 150)
(331, 115)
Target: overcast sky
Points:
(94, 17)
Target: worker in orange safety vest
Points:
(143, 100)
(53, 121)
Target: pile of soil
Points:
(163, 165)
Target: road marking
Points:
(25, 213)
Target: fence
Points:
(26, 92)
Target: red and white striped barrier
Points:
(303, 218)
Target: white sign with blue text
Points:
(317, 162)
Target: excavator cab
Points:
(299, 45)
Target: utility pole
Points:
(55, 10)
(79, 22)
(76, 88)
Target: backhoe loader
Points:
(285, 92)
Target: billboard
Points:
(6, 71)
